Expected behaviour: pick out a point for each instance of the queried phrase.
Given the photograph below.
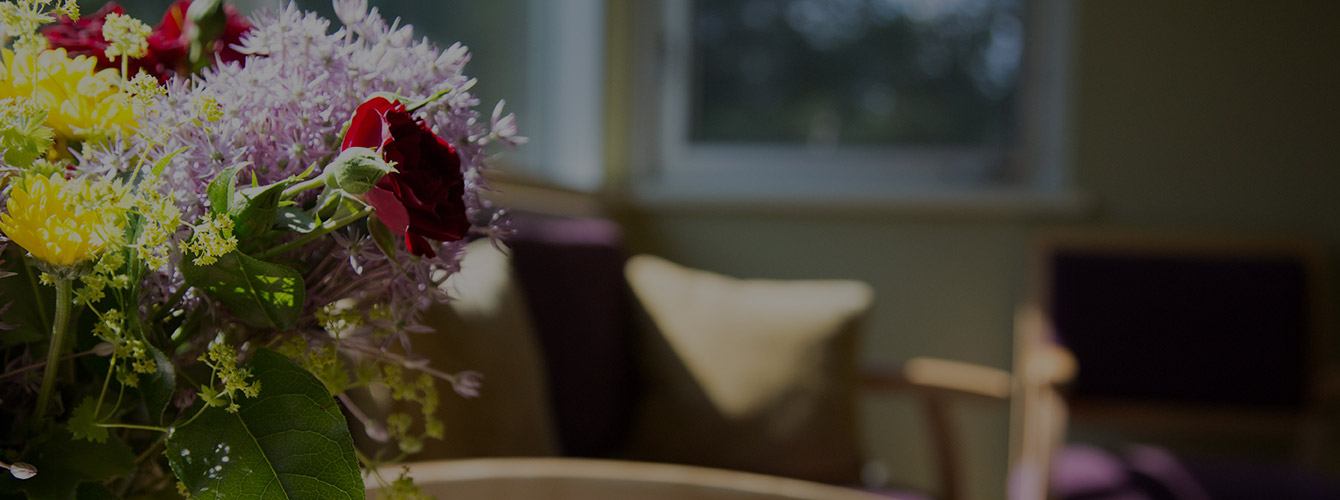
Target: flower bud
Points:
(22, 470)
(356, 170)
(104, 349)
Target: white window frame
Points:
(669, 168)
(566, 78)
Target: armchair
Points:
(1038, 413)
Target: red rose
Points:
(423, 198)
(168, 44)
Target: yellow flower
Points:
(62, 222)
(81, 102)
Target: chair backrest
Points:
(1186, 334)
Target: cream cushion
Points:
(486, 328)
(753, 375)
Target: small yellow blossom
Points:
(144, 90)
(161, 217)
(81, 101)
(126, 36)
(213, 238)
(237, 382)
(69, 8)
(22, 18)
(62, 222)
(131, 355)
(209, 108)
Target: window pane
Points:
(855, 72)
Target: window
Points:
(773, 100)
(865, 99)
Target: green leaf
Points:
(289, 442)
(24, 307)
(84, 422)
(157, 389)
(258, 212)
(297, 220)
(94, 491)
(222, 189)
(64, 462)
(381, 235)
(163, 162)
(259, 293)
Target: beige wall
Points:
(1202, 115)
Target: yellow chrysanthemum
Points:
(81, 102)
(62, 222)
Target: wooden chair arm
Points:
(940, 376)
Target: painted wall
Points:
(1193, 115)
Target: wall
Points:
(1195, 115)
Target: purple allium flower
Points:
(285, 110)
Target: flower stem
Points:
(134, 426)
(41, 309)
(312, 183)
(59, 330)
(325, 229)
(429, 100)
(97, 409)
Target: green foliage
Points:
(158, 388)
(403, 488)
(289, 442)
(323, 361)
(258, 212)
(382, 236)
(23, 137)
(258, 293)
(297, 220)
(63, 463)
(84, 422)
(222, 189)
(29, 303)
(356, 171)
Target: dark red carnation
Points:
(423, 198)
(168, 44)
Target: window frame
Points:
(667, 168)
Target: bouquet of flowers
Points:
(216, 230)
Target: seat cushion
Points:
(751, 375)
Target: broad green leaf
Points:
(157, 388)
(259, 293)
(297, 220)
(222, 189)
(64, 462)
(258, 212)
(291, 441)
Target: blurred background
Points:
(935, 150)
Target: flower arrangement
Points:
(217, 231)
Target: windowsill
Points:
(526, 193)
(966, 203)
